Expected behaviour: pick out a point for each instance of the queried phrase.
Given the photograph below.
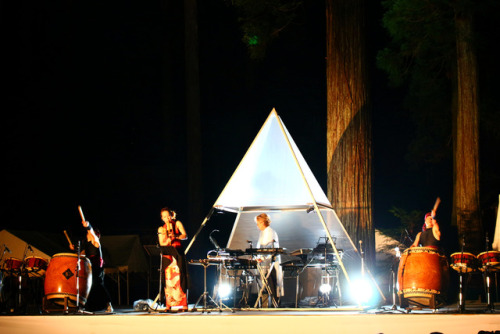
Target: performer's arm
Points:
(417, 240)
(182, 231)
(435, 230)
(163, 238)
(91, 234)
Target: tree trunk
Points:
(466, 208)
(349, 152)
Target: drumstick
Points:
(438, 200)
(81, 213)
(69, 240)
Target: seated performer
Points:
(430, 235)
(173, 260)
(268, 238)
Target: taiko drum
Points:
(423, 275)
(463, 262)
(13, 264)
(489, 260)
(61, 278)
(35, 265)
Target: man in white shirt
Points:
(268, 238)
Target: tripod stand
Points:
(394, 266)
(205, 296)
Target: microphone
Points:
(212, 240)
(29, 247)
(408, 235)
(6, 248)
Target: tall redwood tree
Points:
(349, 147)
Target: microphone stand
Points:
(77, 277)
(20, 279)
(461, 300)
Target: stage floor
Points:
(475, 319)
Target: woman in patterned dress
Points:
(173, 260)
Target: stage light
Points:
(362, 291)
(224, 290)
(325, 288)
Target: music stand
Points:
(154, 306)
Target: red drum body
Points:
(36, 266)
(61, 278)
(463, 262)
(423, 276)
(489, 260)
(13, 264)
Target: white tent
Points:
(19, 245)
(274, 178)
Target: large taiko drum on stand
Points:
(61, 279)
(423, 277)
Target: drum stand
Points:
(487, 281)
(205, 296)
(461, 290)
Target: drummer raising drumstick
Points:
(430, 235)
(99, 298)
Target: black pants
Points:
(99, 296)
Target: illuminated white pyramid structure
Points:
(273, 173)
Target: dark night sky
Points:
(83, 124)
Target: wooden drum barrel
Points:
(423, 276)
(61, 282)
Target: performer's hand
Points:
(85, 223)
(72, 247)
